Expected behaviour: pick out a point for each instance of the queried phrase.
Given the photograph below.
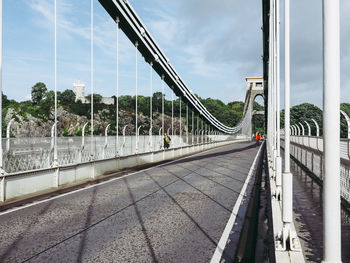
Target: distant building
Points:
(79, 91)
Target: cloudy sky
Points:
(213, 45)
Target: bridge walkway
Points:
(174, 212)
(307, 199)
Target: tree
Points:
(38, 92)
(5, 101)
(67, 97)
(126, 102)
(157, 101)
(96, 97)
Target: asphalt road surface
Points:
(175, 212)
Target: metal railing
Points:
(308, 150)
(24, 154)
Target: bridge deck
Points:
(175, 212)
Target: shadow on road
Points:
(15, 244)
(211, 155)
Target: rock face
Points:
(70, 124)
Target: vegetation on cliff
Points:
(39, 112)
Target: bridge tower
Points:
(255, 87)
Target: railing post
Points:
(308, 132)
(137, 138)
(308, 128)
(161, 138)
(150, 140)
(302, 128)
(202, 133)
(106, 141)
(347, 121)
(53, 147)
(8, 133)
(123, 145)
(317, 128)
(331, 129)
(82, 142)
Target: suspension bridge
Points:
(215, 195)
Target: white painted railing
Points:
(23, 154)
(308, 150)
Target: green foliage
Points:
(257, 106)
(67, 97)
(229, 114)
(97, 98)
(65, 132)
(236, 106)
(305, 112)
(157, 101)
(38, 92)
(43, 104)
(5, 101)
(78, 131)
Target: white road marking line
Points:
(224, 237)
(104, 182)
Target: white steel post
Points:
(192, 131)
(197, 129)
(172, 113)
(287, 177)
(331, 129)
(92, 78)
(150, 106)
(270, 77)
(162, 135)
(136, 128)
(55, 157)
(277, 130)
(202, 137)
(117, 94)
(180, 133)
(1, 164)
(187, 123)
